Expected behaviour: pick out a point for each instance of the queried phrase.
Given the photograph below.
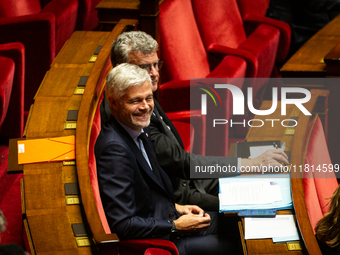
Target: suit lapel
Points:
(139, 156)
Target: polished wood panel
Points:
(47, 216)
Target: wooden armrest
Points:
(103, 238)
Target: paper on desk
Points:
(256, 151)
(254, 192)
(278, 227)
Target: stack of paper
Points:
(249, 192)
(282, 228)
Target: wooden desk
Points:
(308, 61)
(294, 137)
(50, 210)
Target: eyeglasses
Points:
(148, 67)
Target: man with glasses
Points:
(140, 49)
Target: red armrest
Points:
(252, 64)
(139, 246)
(7, 68)
(285, 32)
(156, 251)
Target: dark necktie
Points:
(151, 155)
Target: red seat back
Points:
(181, 44)
(95, 130)
(258, 7)
(187, 132)
(19, 8)
(219, 22)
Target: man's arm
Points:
(119, 193)
(176, 161)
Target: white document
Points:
(256, 151)
(280, 226)
(255, 192)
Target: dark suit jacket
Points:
(174, 159)
(136, 204)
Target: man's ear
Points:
(113, 103)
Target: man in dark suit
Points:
(136, 193)
(139, 48)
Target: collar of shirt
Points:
(133, 133)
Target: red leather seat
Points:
(319, 184)
(222, 30)
(254, 12)
(258, 40)
(43, 30)
(184, 58)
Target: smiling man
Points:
(136, 193)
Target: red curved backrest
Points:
(95, 130)
(318, 185)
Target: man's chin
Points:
(142, 124)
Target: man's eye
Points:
(145, 66)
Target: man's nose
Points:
(144, 105)
(153, 71)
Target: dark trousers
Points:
(222, 237)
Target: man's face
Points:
(134, 109)
(138, 58)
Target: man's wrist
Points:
(173, 227)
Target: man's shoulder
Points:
(108, 135)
